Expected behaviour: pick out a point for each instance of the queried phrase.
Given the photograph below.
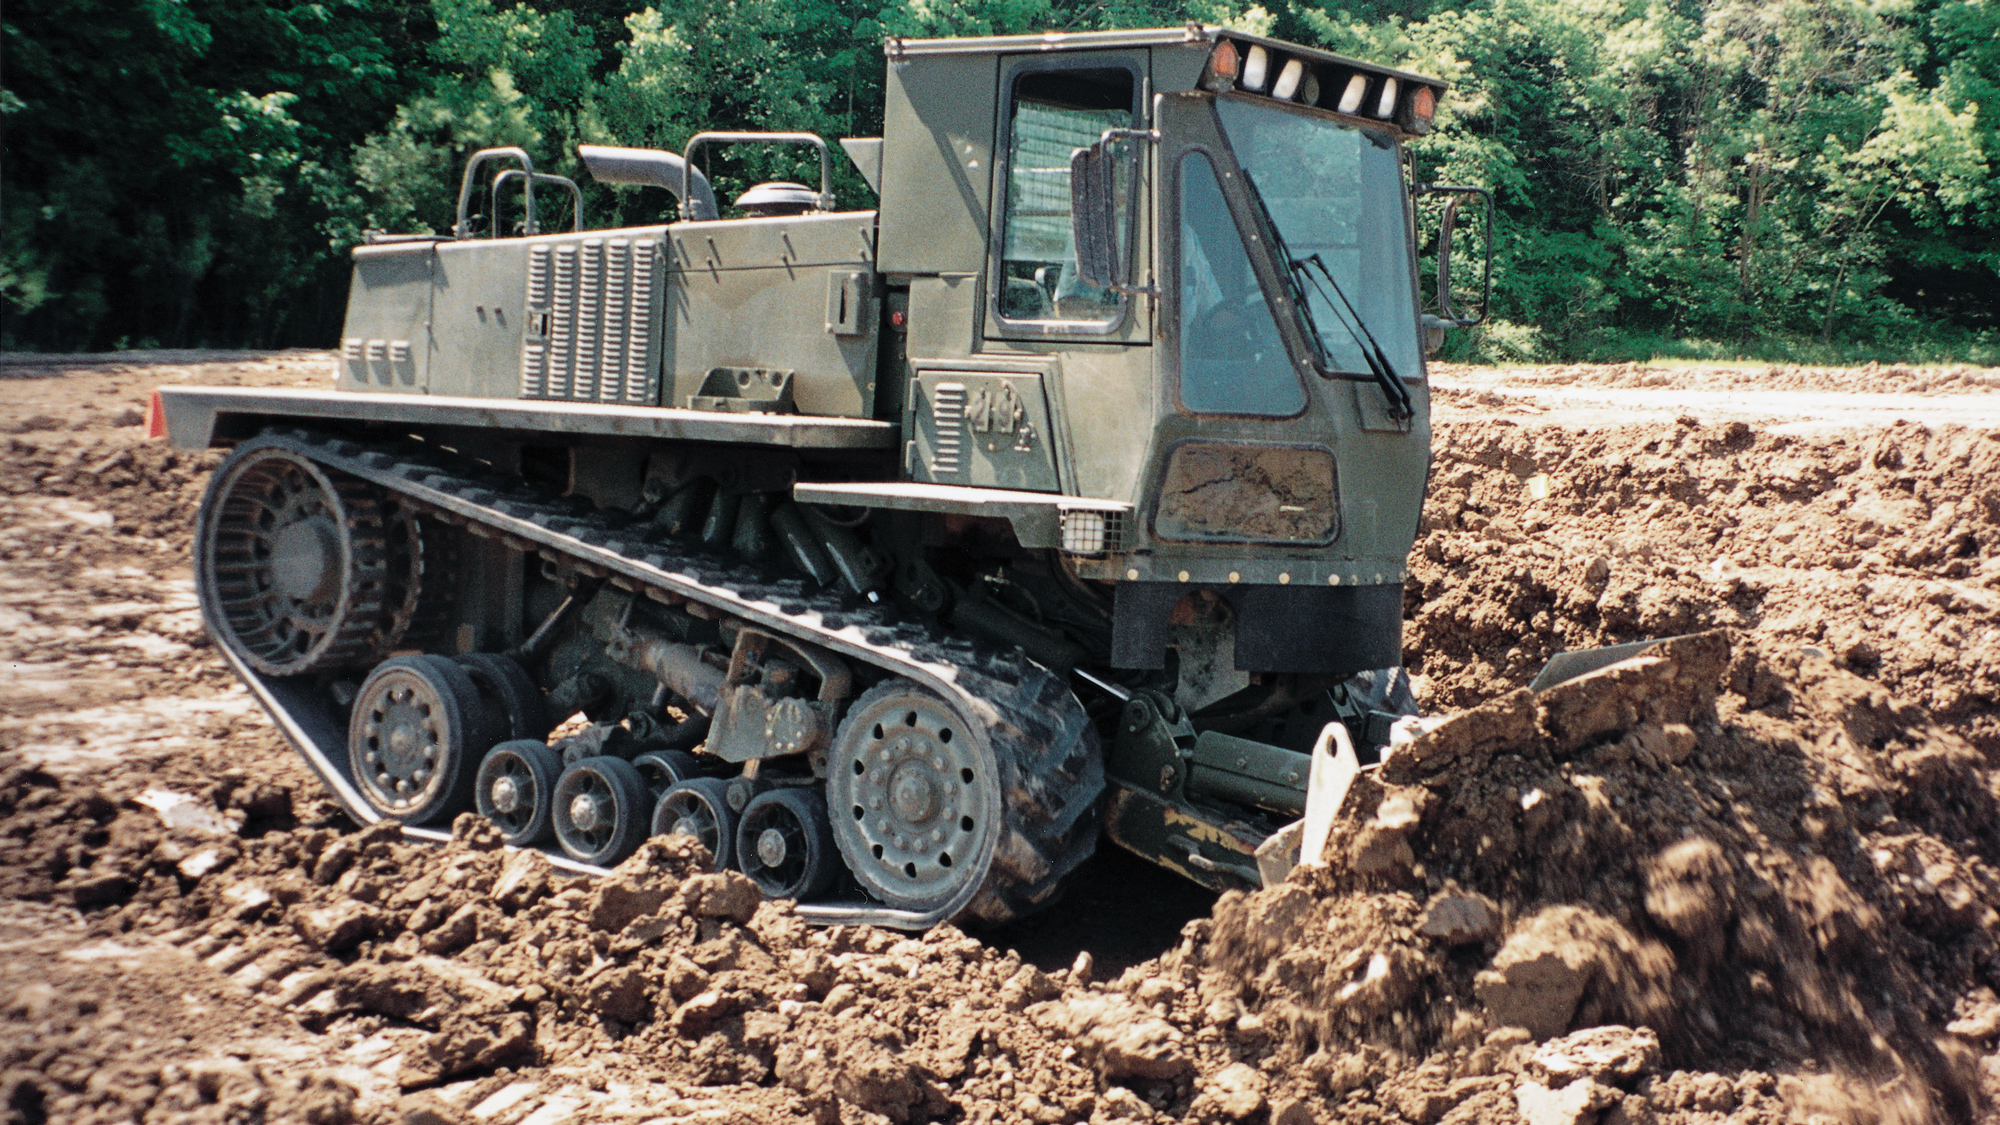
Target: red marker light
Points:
(156, 417)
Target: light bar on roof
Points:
(1336, 84)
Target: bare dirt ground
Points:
(1755, 878)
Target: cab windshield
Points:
(1335, 193)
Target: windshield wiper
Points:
(1298, 291)
(1393, 388)
(1400, 406)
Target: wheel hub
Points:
(505, 794)
(583, 812)
(305, 559)
(913, 792)
(771, 850)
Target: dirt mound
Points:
(1883, 550)
(1874, 378)
(1760, 861)
(1701, 885)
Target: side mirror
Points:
(1099, 202)
(1093, 209)
(1453, 300)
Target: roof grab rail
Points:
(532, 224)
(813, 139)
(463, 227)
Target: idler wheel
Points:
(415, 737)
(916, 797)
(602, 810)
(784, 844)
(290, 563)
(516, 789)
(699, 807)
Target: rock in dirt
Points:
(523, 879)
(725, 894)
(1575, 1104)
(1457, 917)
(1028, 985)
(1612, 1055)
(1674, 682)
(616, 899)
(1120, 1038)
(455, 932)
(1466, 740)
(466, 1043)
(1546, 967)
(1235, 1092)
(338, 928)
(617, 994)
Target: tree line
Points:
(1804, 179)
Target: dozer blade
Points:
(1566, 666)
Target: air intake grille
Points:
(590, 314)
(948, 426)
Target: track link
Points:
(1051, 768)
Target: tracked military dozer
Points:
(895, 554)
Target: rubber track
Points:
(1051, 768)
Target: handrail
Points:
(533, 224)
(462, 228)
(813, 139)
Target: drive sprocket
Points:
(290, 563)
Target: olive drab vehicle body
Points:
(896, 554)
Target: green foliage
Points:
(1779, 178)
(1756, 173)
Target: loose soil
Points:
(1753, 876)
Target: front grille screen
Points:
(1241, 493)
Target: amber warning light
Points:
(1423, 107)
(1223, 63)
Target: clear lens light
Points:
(1350, 98)
(1288, 80)
(1256, 64)
(1387, 104)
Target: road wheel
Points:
(699, 807)
(784, 845)
(602, 810)
(664, 769)
(511, 695)
(516, 790)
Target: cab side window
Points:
(1052, 114)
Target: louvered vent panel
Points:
(948, 420)
(535, 344)
(611, 324)
(590, 314)
(562, 325)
